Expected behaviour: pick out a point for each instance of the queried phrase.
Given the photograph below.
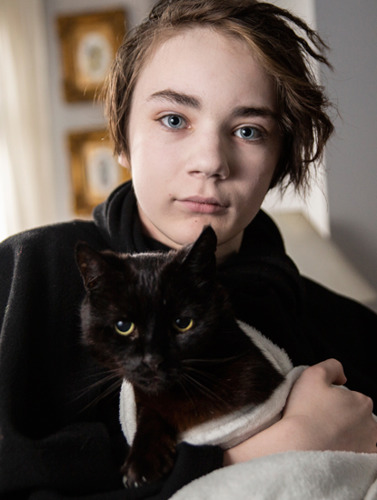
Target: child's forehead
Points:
(187, 43)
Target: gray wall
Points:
(350, 29)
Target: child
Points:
(210, 104)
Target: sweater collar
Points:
(118, 221)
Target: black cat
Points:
(164, 323)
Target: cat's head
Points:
(147, 314)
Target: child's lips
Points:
(202, 205)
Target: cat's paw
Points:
(127, 483)
(147, 466)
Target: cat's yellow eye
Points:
(183, 324)
(124, 327)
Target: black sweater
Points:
(59, 431)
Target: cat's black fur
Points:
(180, 378)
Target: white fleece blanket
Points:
(306, 475)
(311, 475)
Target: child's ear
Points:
(124, 161)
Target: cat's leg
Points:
(152, 452)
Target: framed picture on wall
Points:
(88, 46)
(94, 170)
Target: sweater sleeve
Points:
(60, 435)
(339, 327)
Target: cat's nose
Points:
(153, 360)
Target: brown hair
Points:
(274, 36)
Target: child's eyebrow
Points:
(250, 111)
(194, 102)
(177, 97)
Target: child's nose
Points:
(208, 156)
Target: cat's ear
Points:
(201, 256)
(207, 241)
(92, 265)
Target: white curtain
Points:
(26, 176)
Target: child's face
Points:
(204, 140)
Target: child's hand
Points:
(329, 417)
(318, 415)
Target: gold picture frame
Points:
(89, 43)
(94, 170)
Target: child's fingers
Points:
(330, 371)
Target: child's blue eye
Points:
(248, 133)
(173, 121)
(124, 327)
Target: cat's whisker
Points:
(110, 378)
(204, 388)
(191, 383)
(100, 378)
(207, 377)
(214, 360)
(210, 377)
(186, 391)
(108, 392)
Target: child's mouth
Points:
(202, 205)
